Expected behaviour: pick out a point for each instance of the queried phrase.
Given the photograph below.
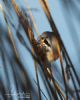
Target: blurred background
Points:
(18, 78)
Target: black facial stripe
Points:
(45, 41)
(42, 38)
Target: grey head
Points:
(46, 37)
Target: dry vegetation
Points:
(52, 86)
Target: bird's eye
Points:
(46, 42)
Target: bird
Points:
(50, 45)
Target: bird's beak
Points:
(40, 41)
